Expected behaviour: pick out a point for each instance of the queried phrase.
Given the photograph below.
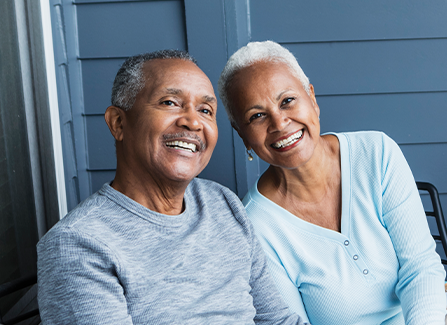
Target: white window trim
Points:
(54, 107)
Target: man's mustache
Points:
(186, 135)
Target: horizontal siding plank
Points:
(97, 82)
(407, 118)
(374, 67)
(124, 29)
(322, 20)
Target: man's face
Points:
(171, 131)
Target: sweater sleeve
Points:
(420, 287)
(270, 307)
(77, 282)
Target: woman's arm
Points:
(286, 287)
(420, 287)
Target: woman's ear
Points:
(314, 99)
(114, 117)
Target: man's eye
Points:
(168, 103)
(206, 111)
(255, 116)
(288, 100)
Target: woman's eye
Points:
(255, 116)
(288, 100)
(168, 103)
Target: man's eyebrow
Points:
(209, 99)
(174, 91)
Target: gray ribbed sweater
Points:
(112, 261)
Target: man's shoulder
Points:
(83, 214)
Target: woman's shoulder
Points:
(365, 136)
(364, 142)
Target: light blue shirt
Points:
(381, 268)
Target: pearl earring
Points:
(250, 157)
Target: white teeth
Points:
(182, 145)
(289, 141)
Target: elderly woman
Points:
(339, 214)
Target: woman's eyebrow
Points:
(282, 93)
(253, 107)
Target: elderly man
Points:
(157, 245)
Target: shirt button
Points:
(346, 242)
(365, 271)
(355, 257)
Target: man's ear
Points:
(114, 117)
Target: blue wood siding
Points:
(346, 20)
(375, 66)
(121, 29)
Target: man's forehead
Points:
(162, 74)
(166, 66)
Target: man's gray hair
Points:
(130, 80)
(248, 55)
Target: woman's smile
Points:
(288, 142)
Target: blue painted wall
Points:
(375, 66)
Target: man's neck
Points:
(163, 197)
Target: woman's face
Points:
(274, 115)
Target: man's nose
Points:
(190, 119)
(278, 121)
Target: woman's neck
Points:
(309, 182)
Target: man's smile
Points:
(182, 145)
(186, 141)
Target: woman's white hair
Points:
(248, 55)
